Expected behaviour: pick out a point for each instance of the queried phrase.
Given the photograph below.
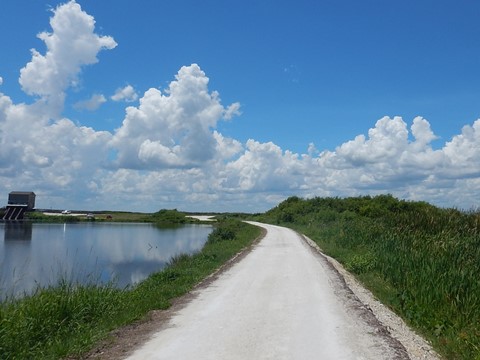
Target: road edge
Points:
(416, 346)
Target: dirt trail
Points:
(284, 300)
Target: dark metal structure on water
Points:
(19, 202)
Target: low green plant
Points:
(360, 263)
(225, 230)
(48, 320)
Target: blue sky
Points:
(308, 98)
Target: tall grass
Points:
(68, 319)
(45, 324)
(423, 261)
(432, 259)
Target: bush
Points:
(169, 217)
(225, 231)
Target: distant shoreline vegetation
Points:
(163, 216)
(420, 260)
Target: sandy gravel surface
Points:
(284, 300)
(203, 217)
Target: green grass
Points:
(56, 321)
(69, 319)
(422, 261)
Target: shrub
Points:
(224, 231)
(169, 217)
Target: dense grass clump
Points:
(68, 319)
(423, 261)
(169, 217)
(55, 321)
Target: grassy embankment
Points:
(422, 261)
(69, 319)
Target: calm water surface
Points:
(41, 254)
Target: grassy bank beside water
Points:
(422, 261)
(67, 320)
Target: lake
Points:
(42, 254)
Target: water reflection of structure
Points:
(18, 231)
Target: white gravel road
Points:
(282, 301)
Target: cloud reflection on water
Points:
(89, 252)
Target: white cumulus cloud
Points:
(91, 104)
(126, 93)
(71, 45)
(173, 128)
(463, 153)
(263, 167)
(231, 111)
(386, 140)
